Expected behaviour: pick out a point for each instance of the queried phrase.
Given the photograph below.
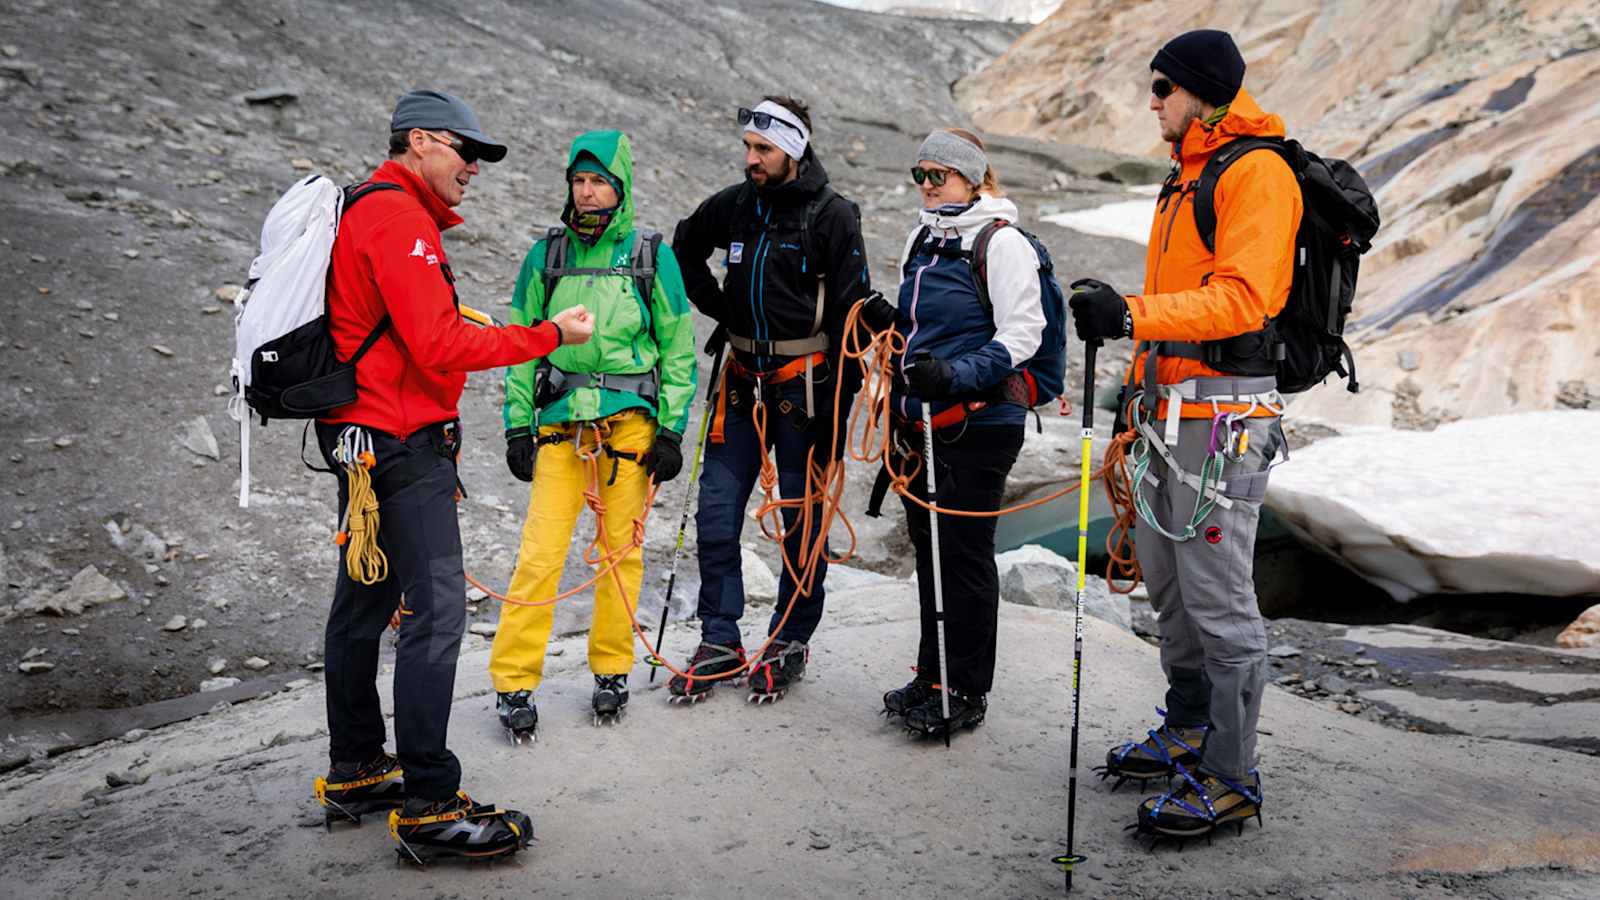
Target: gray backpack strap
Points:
(646, 246)
(555, 259)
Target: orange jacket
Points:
(1191, 294)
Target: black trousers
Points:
(971, 474)
(415, 482)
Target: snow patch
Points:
(1126, 219)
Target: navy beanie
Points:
(1206, 63)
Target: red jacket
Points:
(388, 258)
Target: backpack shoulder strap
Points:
(911, 251)
(980, 262)
(646, 247)
(354, 192)
(808, 221)
(352, 195)
(555, 257)
(1205, 201)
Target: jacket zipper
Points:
(916, 296)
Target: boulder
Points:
(1475, 507)
(1031, 575)
(1583, 632)
(87, 589)
(760, 585)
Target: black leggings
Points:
(971, 474)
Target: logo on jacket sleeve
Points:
(425, 252)
(735, 253)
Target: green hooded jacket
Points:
(628, 337)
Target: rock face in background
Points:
(998, 10)
(1494, 505)
(1473, 121)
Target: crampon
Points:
(1157, 756)
(1199, 805)
(457, 827)
(351, 791)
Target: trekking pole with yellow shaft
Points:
(1069, 859)
(683, 520)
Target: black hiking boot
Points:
(518, 716)
(1157, 756)
(780, 667)
(709, 661)
(610, 698)
(900, 700)
(351, 790)
(927, 718)
(457, 827)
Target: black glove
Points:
(519, 456)
(930, 377)
(1098, 311)
(664, 459)
(878, 313)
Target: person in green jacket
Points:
(622, 398)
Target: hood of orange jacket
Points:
(1193, 294)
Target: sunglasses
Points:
(935, 177)
(466, 150)
(1162, 88)
(764, 120)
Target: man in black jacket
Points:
(795, 266)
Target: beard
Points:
(770, 177)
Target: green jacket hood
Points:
(612, 150)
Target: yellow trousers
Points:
(516, 662)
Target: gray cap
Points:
(958, 153)
(444, 112)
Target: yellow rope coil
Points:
(363, 558)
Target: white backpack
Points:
(284, 363)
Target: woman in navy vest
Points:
(965, 347)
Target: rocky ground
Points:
(146, 144)
(817, 796)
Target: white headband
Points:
(791, 137)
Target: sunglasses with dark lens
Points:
(764, 120)
(467, 150)
(1162, 88)
(935, 177)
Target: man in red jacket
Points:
(390, 282)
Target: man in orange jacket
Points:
(1206, 410)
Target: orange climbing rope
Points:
(869, 439)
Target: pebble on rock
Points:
(256, 663)
(176, 623)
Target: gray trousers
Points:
(1213, 641)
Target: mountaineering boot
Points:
(898, 701)
(427, 830)
(709, 660)
(1200, 803)
(927, 718)
(1157, 756)
(610, 698)
(351, 790)
(518, 716)
(780, 667)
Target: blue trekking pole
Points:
(683, 520)
(1069, 859)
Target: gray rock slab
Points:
(1402, 802)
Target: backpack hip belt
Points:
(554, 383)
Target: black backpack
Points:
(1337, 225)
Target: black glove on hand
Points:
(930, 377)
(519, 456)
(878, 313)
(664, 459)
(1098, 311)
